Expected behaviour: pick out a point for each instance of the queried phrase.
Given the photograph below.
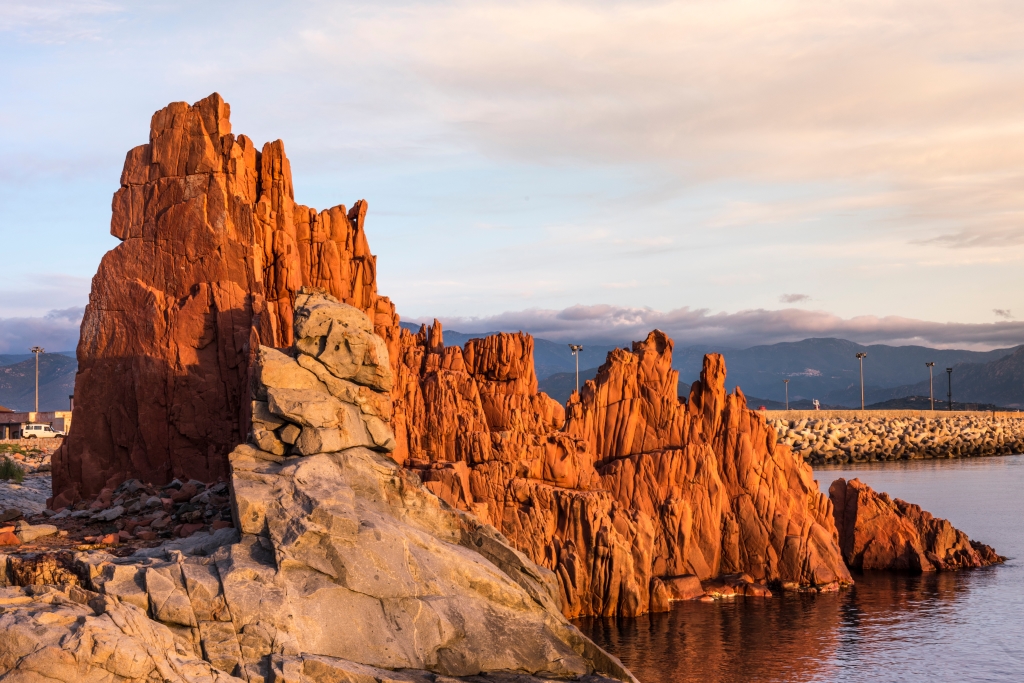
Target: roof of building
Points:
(5, 410)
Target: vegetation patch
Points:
(9, 470)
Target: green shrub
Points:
(10, 470)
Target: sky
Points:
(735, 173)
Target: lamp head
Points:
(930, 365)
(37, 349)
(862, 355)
(949, 370)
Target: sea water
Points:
(963, 626)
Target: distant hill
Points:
(549, 357)
(924, 403)
(12, 358)
(825, 369)
(753, 402)
(56, 382)
(560, 385)
(999, 382)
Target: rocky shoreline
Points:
(337, 499)
(833, 439)
(330, 526)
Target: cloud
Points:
(616, 324)
(906, 105)
(55, 331)
(56, 21)
(1003, 313)
(794, 298)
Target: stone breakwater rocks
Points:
(830, 439)
(877, 532)
(347, 568)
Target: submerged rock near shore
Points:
(879, 532)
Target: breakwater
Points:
(839, 436)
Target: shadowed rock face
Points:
(878, 532)
(213, 251)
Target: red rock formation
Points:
(638, 489)
(213, 250)
(877, 532)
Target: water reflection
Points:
(882, 629)
(962, 626)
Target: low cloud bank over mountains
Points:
(56, 331)
(617, 324)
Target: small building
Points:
(11, 422)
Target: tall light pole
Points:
(576, 348)
(931, 384)
(787, 393)
(949, 394)
(860, 357)
(37, 350)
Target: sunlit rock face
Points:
(879, 532)
(214, 249)
(638, 488)
(346, 568)
(627, 488)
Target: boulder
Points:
(347, 351)
(879, 532)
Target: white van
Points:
(39, 432)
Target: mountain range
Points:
(819, 368)
(825, 369)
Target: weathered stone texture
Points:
(640, 488)
(879, 532)
(627, 485)
(214, 249)
(72, 634)
(346, 565)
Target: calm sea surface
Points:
(967, 626)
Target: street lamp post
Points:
(860, 357)
(949, 393)
(37, 350)
(931, 384)
(787, 393)
(576, 348)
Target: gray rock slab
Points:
(201, 543)
(29, 496)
